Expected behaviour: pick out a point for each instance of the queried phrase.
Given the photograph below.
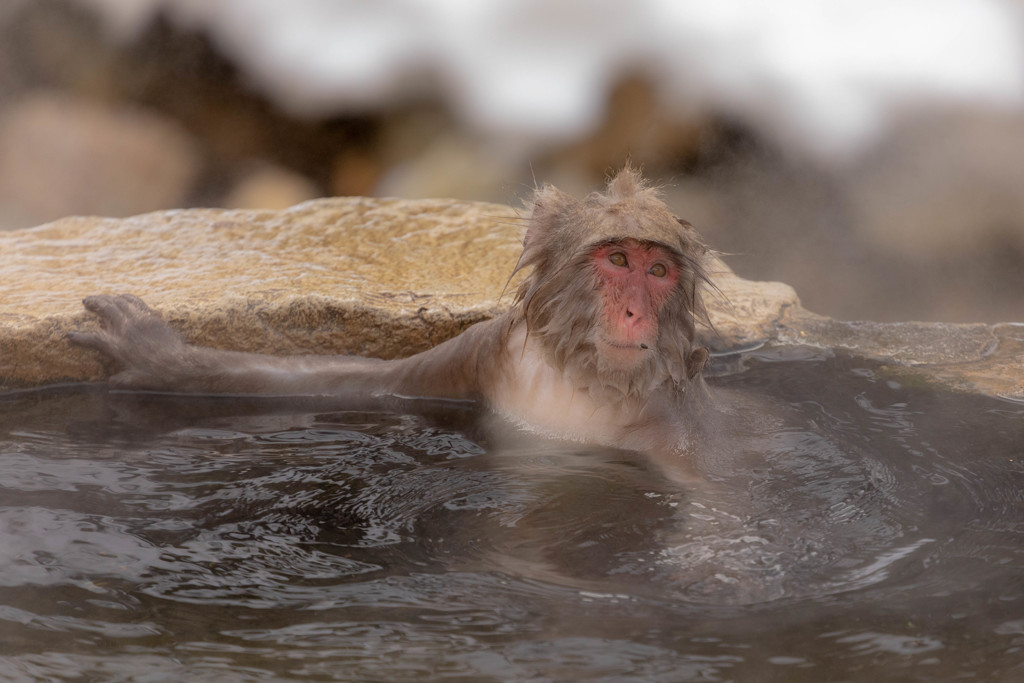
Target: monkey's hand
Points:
(150, 354)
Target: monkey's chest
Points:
(536, 397)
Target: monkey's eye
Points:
(617, 258)
(658, 270)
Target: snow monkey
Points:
(598, 346)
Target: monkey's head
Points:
(615, 290)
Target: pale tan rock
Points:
(270, 187)
(387, 278)
(349, 275)
(744, 312)
(61, 155)
(975, 358)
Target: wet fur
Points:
(557, 300)
(537, 364)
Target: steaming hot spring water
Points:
(868, 531)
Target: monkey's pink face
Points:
(635, 280)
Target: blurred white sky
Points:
(822, 76)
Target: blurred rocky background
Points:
(870, 153)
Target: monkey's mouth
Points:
(626, 347)
(634, 347)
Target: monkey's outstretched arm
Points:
(153, 356)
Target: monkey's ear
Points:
(696, 362)
(691, 231)
(550, 206)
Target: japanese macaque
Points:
(599, 345)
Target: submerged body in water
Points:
(875, 533)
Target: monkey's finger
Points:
(82, 339)
(130, 302)
(111, 314)
(98, 342)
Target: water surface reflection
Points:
(873, 531)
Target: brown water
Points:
(874, 533)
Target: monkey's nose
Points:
(634, 315)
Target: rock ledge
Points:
(387, 278)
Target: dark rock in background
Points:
(928, 225)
